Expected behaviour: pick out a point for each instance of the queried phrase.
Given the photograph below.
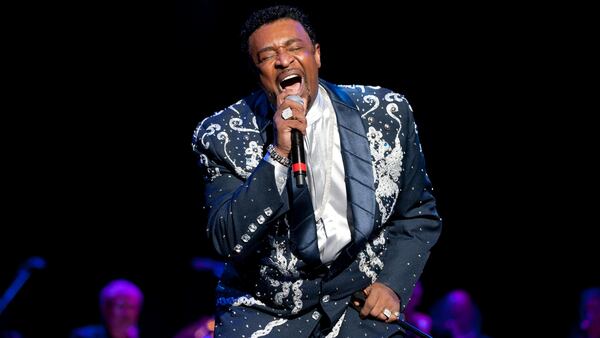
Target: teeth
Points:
(289, 77)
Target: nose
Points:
(284, 58)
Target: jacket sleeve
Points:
(240, 210)
(414, 226)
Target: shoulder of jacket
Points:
(238, 109)
(365, 90)
(220, 121)
(362, 93)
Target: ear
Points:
(318, 54)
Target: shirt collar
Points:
(315, 113)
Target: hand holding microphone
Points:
(296, 150)
(298, 156)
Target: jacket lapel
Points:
(358, 167)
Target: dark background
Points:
(99, 178)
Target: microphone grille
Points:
(296, 99)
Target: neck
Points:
(124, 332)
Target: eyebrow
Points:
(287, 43)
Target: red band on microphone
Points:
(296, 167)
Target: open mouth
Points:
(293, 82)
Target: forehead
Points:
(123, 300)
(277, 33)
(129, 294)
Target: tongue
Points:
(294, 88)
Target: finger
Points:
(381, 308)
(371, 306)
(297, 124)
(392, 318)
(385, 314)
(283, 98)
(368, 304)
(367, 308)
(293, 115)
(395, 314)
(295, 104)
(377, 311)
(283, 102)
(388, 316)
(287, 114)
(379, 315)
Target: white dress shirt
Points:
(325, 177)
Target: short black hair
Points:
(270, 14)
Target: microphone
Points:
(33, 263)
(297, 155)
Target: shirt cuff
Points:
(281, 173)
